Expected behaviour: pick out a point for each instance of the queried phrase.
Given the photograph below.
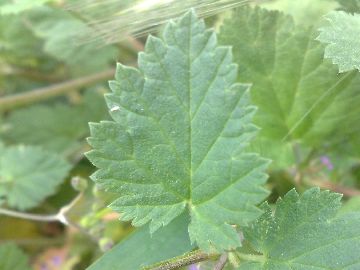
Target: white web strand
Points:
(316, 103)
(111, 21)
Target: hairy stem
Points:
(58, 89)
(181, 261)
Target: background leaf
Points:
(28, 175)
(59, 127)
(61, 31)
(305, 12)
(300, 96)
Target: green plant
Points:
(214, 153)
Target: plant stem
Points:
(61, 216)
(53, 90)
(136, 45)
(33, 75)
(297, 153)
(221, 262)
(58, 217)
(298, 159)
(346, 191)
(181, 261)
(34, 217)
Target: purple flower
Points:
(57, 260)
(325, 160)
(194, 267)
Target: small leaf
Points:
(12, 258)
(28, 175)
(305, 233)
(60, 127)
(342, 37)
(61, 32)
(141, 249)
(177, 141)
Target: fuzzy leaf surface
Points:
(342, 38)
(177, 141)
(304, 233)
(28, 175)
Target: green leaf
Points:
(15, 51)
(177, 141)
(342, 38)
(28, 175)
(304, 233)
(300, 96)
(141, 249)
(281, 153)
(12, 258)
(61, 32)
(350, 5)
(306, 12)
(18, 6)
(59, 127)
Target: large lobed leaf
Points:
(342, 37)
(28, 175)
(177, 141)
(300, 96)
(304, 233)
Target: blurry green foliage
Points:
(12, 258)
(18, 6)
(28, 175)
(300, 97)
(349, 5)
(307, 113)
(58, 127)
